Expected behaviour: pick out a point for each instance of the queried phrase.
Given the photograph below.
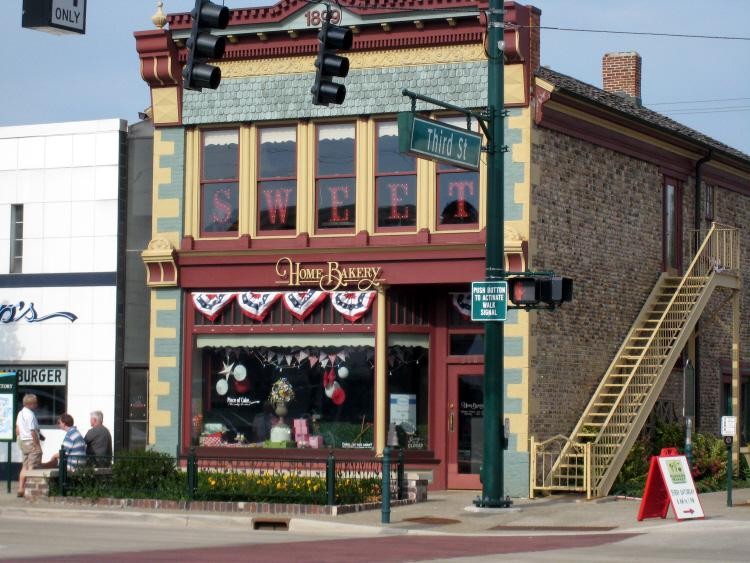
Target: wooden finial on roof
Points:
(159, 19)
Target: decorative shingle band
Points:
(369, 91)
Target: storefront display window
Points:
(303, 397)
(458, 190)
(49, 383)
(277, 178)
(408, 384)
(335, 181)
(395, 180)
(219, 182)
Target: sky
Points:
(702, 83)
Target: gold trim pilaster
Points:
(381, 371)
(306, 178)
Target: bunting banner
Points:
(352, 304)
(211, 304)
(462, 304)
(301, 303)
(256, 304)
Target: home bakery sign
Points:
(329, 277)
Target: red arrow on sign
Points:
(688, 511)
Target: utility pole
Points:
(493, 489)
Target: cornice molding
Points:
(160, 261)
(369, 59)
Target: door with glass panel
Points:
(464, 422)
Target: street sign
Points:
(55, 16)
(489, 301)
(438, 141)
(728, 425)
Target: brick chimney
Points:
(621, 74)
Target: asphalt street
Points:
(446, 528)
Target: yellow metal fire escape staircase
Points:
(590, 459)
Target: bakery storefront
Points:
(331, 356)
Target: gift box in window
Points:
(211, 440)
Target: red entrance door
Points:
(465, 432)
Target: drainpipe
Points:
(697, 219)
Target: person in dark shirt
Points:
(99, 441)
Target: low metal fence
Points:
(331, 481)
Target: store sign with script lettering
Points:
(330, 277)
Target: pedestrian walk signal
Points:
(532, 291)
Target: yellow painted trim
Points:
(165, 105)
(191, 204)
(163, 208)
(369, 174)
(306, 183)
(544, 85)
(250, 154)
(427, 182)
(364, 156)
(248, 180)
(606, 124)
(381, 382)
(157, 388)
(515, 84)
(369, 59)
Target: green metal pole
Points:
(385, 488)
(730, 473)
(493, 489)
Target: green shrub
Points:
(709, 456)
(146, 474)
(668, 435)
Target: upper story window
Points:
(458, 191)
(277, 178)
(335, 179)
(220, 182)
(395, 181)
(16, 239)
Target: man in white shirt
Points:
(27, 430)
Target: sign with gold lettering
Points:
(330, 277)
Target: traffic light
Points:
(203, 46)
(523, 290)
(331, 38)
(555, 290)
(532, 290)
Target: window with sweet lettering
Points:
(458, 191)
(277, 179)
(335, 181)
(395, 181)
(219, 182)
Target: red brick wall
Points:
(621, 73)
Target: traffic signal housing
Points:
(202, 46)
(555, 290)
(531, 291)
(332, 38)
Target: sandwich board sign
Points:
(669, 483)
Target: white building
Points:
(59, 192)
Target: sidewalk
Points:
(445, 512)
